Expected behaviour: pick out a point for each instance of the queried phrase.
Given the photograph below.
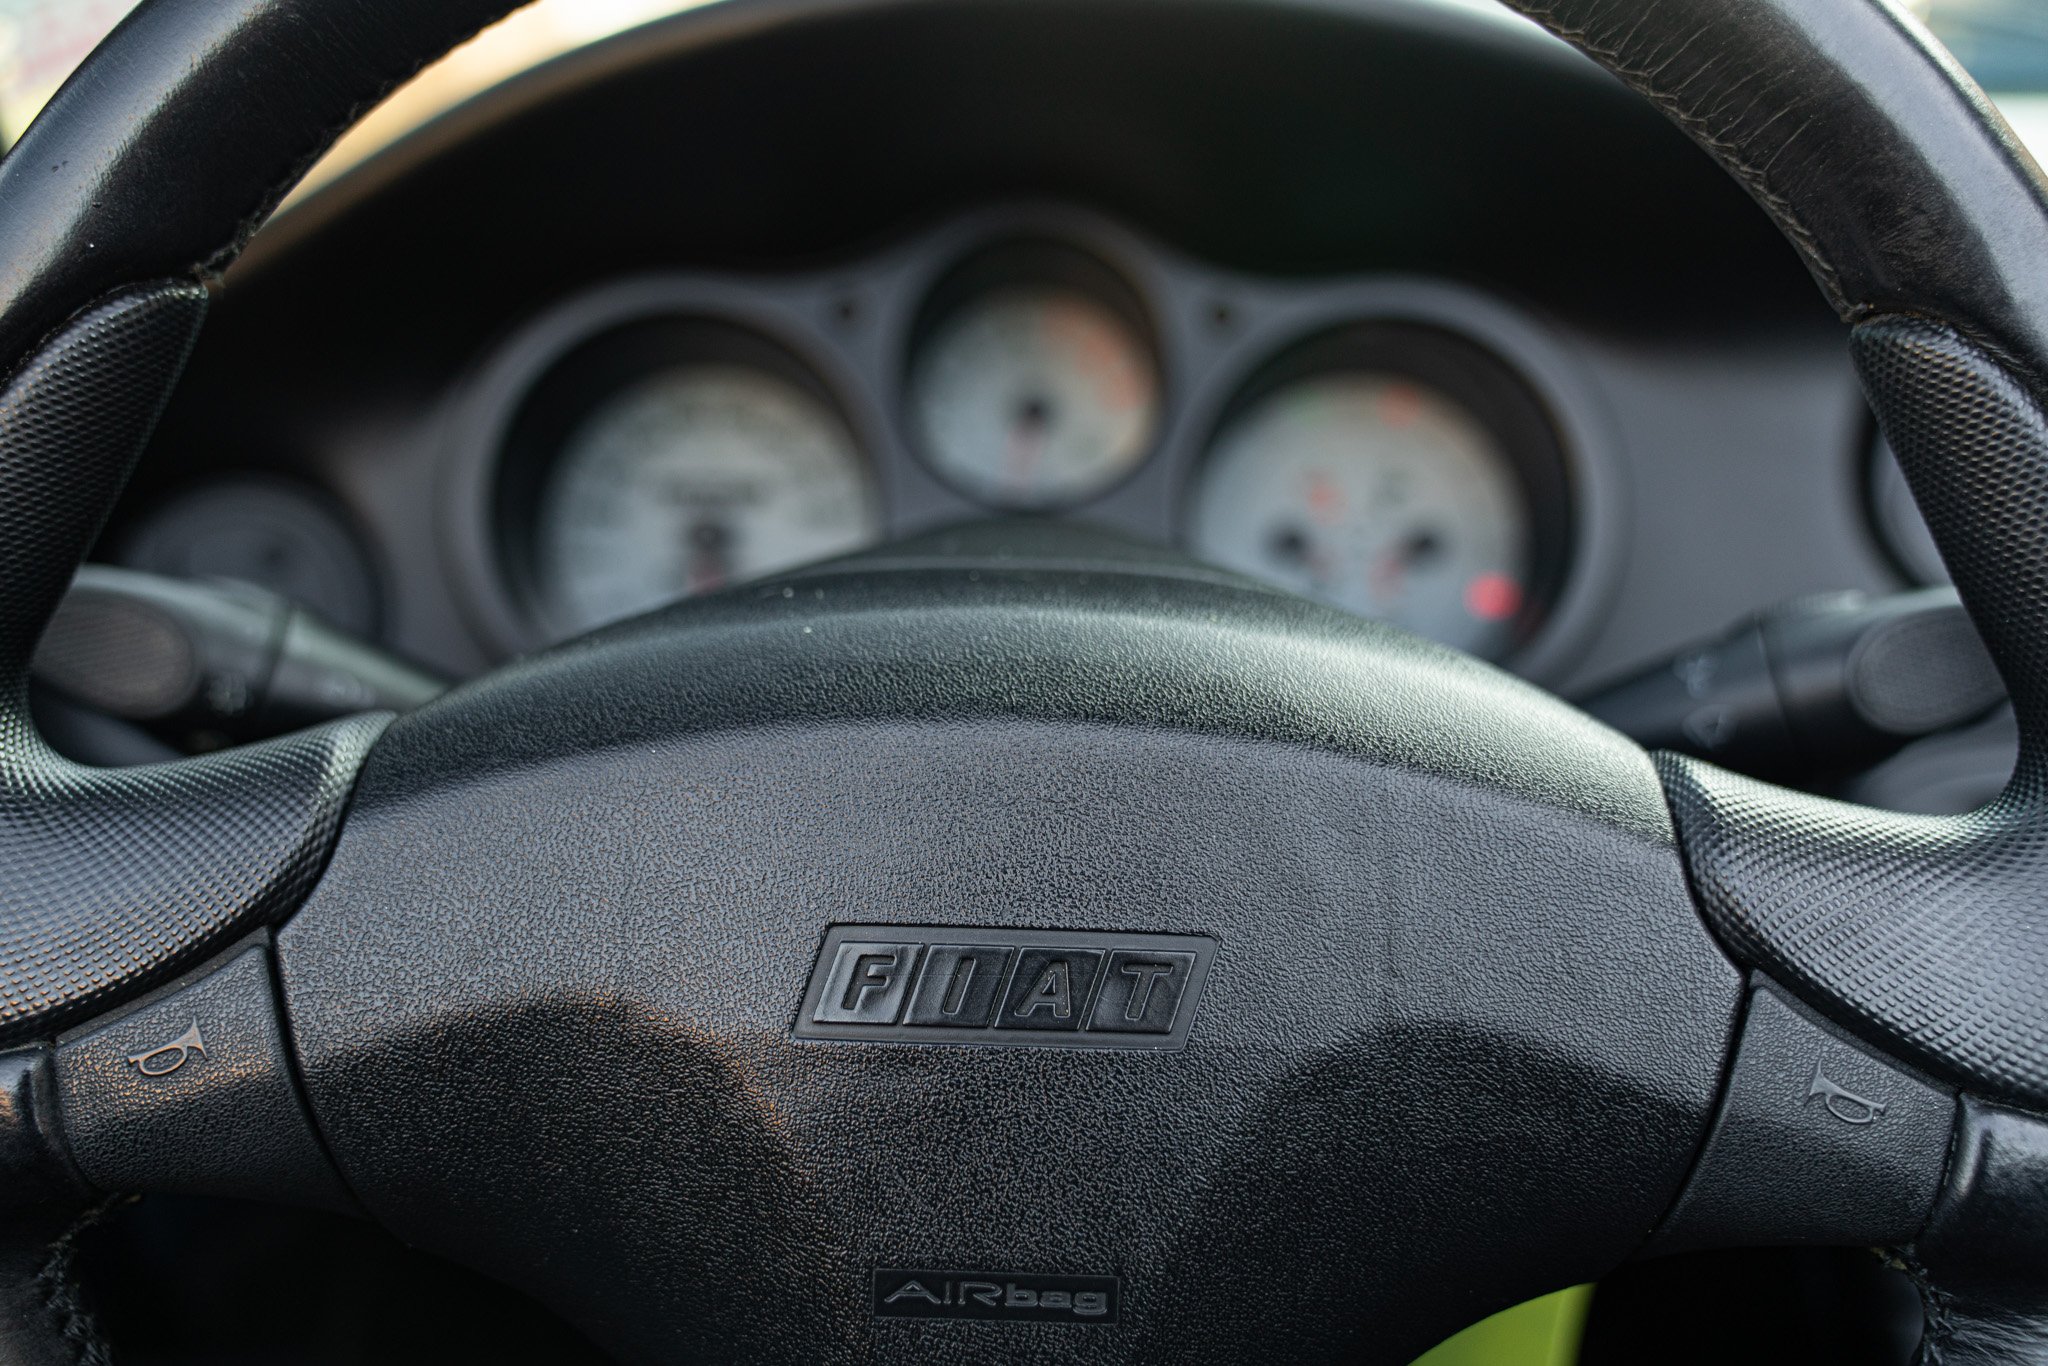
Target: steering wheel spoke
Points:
(111, 880)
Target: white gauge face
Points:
(691, 480)
(1377, 494)
(1034, 398)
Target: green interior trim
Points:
(1542, 1332)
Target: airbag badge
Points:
(908, 1294)
(1058, 989)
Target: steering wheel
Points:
(1019, 944)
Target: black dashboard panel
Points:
(1259, 173)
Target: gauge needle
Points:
(1292, 546)
(710, 563)
(1390, 572)
(1030, 422)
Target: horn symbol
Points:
(167, 1058)
(1841, 1102)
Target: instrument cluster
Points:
(1413, 450)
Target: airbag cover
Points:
(1459, 1036)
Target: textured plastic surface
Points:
(73, 417)
(119, 656)
(191, 1091)
(1458, 1041)
(1818, 1141)
(1923, 673)
(1821, 684)
(111, 880)
(1923, 933)
(212, 658)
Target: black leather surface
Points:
(110, 880)
(1459, 1042)
(1888, 170)
(1979, 1264)
(165, 151)
(44, 1205)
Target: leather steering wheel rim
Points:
(1922, 220)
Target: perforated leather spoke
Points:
(111, 880)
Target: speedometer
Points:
(1378, 493)
(691, 479)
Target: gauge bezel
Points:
(1022, 263)
(510, 430)
(597, 372)
(1482, 384)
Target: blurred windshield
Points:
(2003, 43)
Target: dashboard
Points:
(1381, 302)
(1405, 448)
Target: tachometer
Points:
(691, 479)
(1378, 493)
(1033, 396)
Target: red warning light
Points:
(1493, 597)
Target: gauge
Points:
(1034, 397)
(691, 479)
(1378, 493)
(1900, 527)
(269, 532)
